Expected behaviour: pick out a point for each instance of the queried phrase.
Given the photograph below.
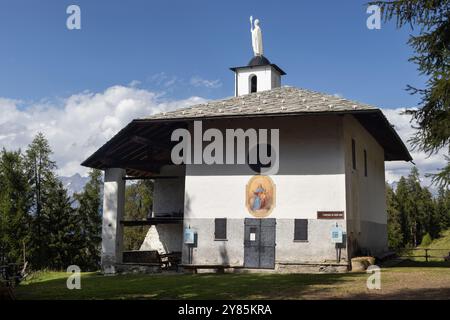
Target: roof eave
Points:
(234, 69)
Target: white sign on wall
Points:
(189, 236)
(336, 235)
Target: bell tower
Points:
(259, 74)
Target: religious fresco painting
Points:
(260, 196)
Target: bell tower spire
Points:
(259, 74)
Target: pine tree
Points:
(429, 218)
(14, 205)
(432, 57)
(61, 227)
(41, 176)
(403, 204)
(89, 217)
(442, 204)
(138, 205)
(394, 223)
(414, 210)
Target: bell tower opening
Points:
(259, 74)
(253, 83)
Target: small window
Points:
(353, 154)
(301, 230)
(253, 84)
(365, 163)
(220, 232)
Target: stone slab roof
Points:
(276, 101)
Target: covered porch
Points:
(141, 151)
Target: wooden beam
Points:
(139, 173)
(151, 221)
(140, 162)
(152, 178)
(149, 143)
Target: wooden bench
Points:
(137, 256)
(169, 260)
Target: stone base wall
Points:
(279, 268)
(137, 268)
(108, 264)
(208, 251)
(311, 268)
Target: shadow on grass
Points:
(408, 263)
(405, 294)
(201, 286)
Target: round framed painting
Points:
(260, 196)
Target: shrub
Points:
(426, 240)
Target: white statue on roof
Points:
(256, 37)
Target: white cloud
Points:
(134, 83)
(425, 163)
(197, 81)
(166, 81)
(78, 125)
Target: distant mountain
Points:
(74, 184)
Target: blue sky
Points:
(134, 58)
(322, 45)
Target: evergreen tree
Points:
(61, 227)
(138, 205)
(432, 57)
(442, 205)
(41, 177)
(14, 206)
(394, 222)
(416, 210)
(89, 218)
(414, 207)
(403, 204)
(430, 223)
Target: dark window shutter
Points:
(301, 229)
(220, 232)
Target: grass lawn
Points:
(406, 281)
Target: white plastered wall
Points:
(366, 197)
(311, 178)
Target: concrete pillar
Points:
(113, 210)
